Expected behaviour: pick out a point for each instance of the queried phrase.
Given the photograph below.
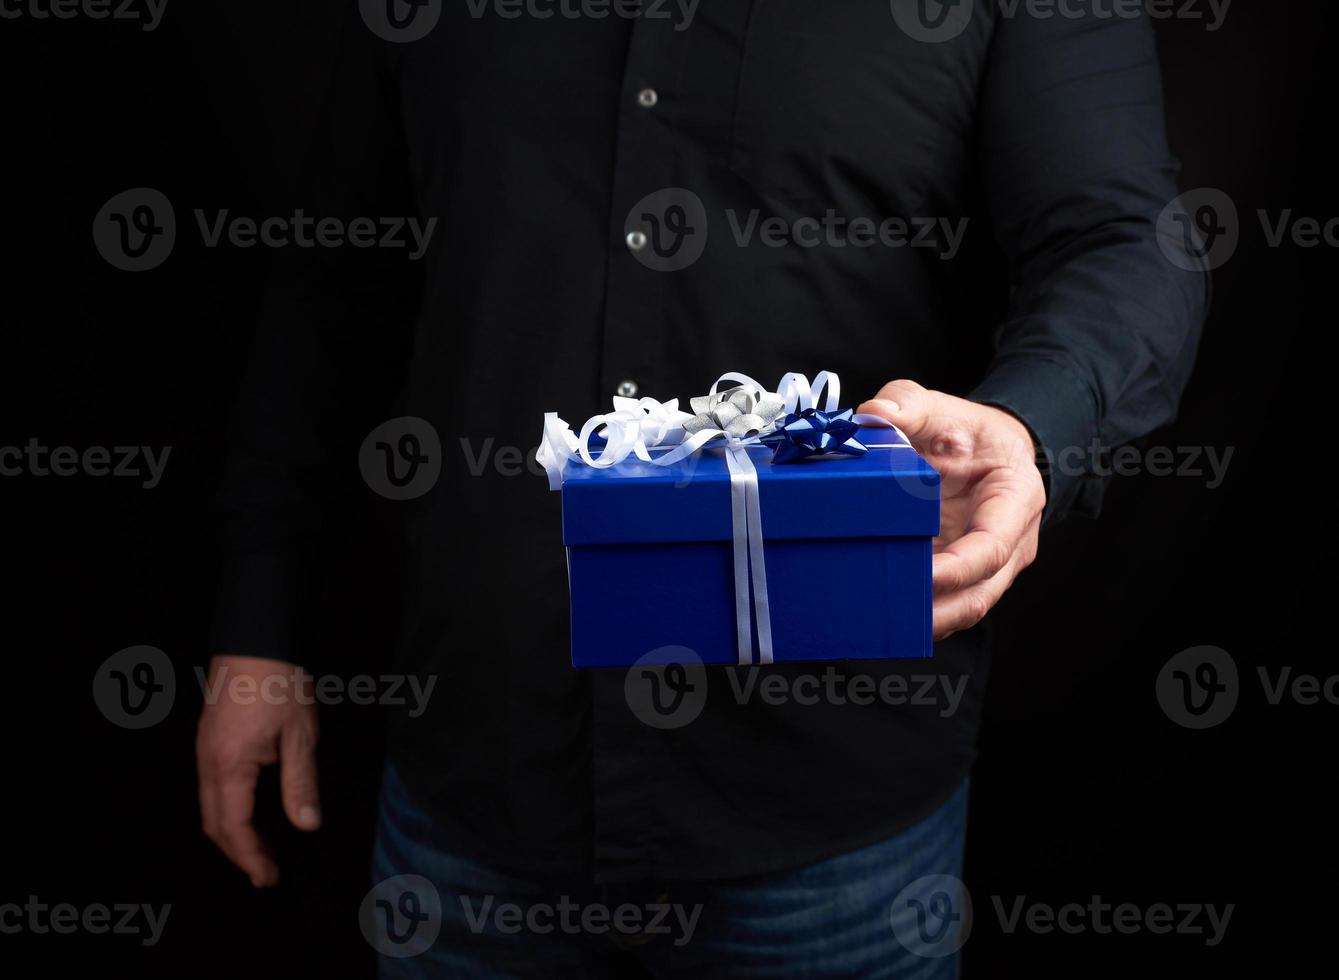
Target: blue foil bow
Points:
(813, 432)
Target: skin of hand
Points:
(260, 712)
(992, 495)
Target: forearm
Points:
(1102, 327)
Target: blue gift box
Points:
(847, 552)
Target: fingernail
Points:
(892, 405)
(309, 816)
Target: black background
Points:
(1084, 786)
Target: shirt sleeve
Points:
(331, 330)
(1102, 326)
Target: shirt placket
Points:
(634, 337)
(634, 315)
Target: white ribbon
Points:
(746, 524)
(636, 426)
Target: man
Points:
(972, 203)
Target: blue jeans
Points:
(893, 909)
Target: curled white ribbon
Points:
(636, 426)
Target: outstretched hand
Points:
(992, 493)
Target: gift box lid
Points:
(889, 492)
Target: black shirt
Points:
(535, 143)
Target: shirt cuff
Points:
(259, 611)
(1060, 410)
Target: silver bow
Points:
(739, 412)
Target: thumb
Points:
(297, 775)
(904, 403)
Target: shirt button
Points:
(647, 98)
(636, 240)
(627, 389)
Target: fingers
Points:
(235, 740)
(974, 557)
(992, 495)
(227, 801)
(904, 403)
(997, 527)
(962, 608)
(967, 607)
(298, 774)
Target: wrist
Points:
(1023, 447)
